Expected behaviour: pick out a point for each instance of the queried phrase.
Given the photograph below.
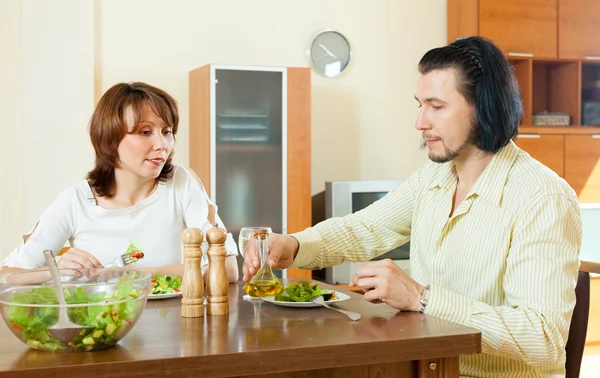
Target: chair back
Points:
(579, 324)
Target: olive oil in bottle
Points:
(264, 288)
(264, 283)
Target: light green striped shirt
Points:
(505, 262)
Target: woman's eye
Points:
(145, 132)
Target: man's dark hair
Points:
(486, 79)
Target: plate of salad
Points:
(298, 294)
(164, 287)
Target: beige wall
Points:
(362, 124)
(11, 124)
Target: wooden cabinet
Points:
(521, 26)
(554, 47)
(250, 145)
(547, 149)
(579, 29)
(582, 165)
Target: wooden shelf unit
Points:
(555, 86)
(554, 47)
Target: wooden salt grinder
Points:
(192, 304)
(217, 285)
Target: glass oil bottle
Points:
(264, 283)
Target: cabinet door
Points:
(579, 29)
(520, 27)
(547, 149)
(249, 146)
(582, 168)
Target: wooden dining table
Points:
(261, 339)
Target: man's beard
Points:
(448, 155)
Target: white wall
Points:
(362, 122)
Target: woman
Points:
(134, 192)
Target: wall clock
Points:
(329, 53)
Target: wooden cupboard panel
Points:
(199, 80)
(521, 26)
(582, 166)
(299, 142)
(462, 18)
(579, 28)
(558, 130)
(523, 71)
(547, 149)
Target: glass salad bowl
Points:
(105, 302)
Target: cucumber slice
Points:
(327, 295)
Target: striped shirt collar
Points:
(491, 182)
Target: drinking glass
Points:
(245, 234)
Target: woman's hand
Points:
(76, 258)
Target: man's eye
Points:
(436, 107)
(168, 131)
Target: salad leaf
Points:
(303, 291)
(106, 321)
(135, 250)
(166, 284)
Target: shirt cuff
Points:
(448, 305)
(309, 242)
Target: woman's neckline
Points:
(158, 189)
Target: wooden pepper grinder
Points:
(217, 284)
(192, 304)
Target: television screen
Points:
(364, 199)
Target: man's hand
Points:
(282, 251)
(384, 281)
(76, 258)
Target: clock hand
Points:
(327, 51)
(321, 57)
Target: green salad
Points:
(106, 321)
(303, 291)
(166, 284)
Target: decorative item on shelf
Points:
(329, 53)
(551, 119)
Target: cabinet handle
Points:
(529, 136)
(592, 57)
(595, 136)
(521, 54)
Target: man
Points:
(495, 235)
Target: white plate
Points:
(341, 297)
(164, 296)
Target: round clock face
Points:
(329, 53)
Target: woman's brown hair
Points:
(108, 127)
